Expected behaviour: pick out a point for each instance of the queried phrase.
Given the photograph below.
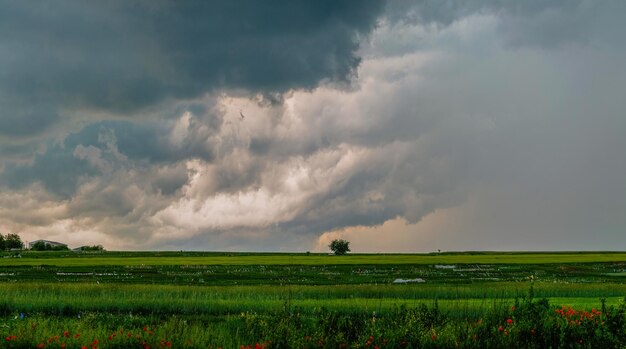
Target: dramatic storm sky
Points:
(402, 126)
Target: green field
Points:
(199, 258)
(227, 300)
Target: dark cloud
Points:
(57, 169)
(507, 113)
(120, 56)
(104, 147)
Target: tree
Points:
(12, 241)
(339, 246)
(40, 246)
(94, 248)
(2, 243)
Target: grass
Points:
(174, 258)
(223, 299)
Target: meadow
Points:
(229, 300)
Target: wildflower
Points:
(500, 328)
(66, 334)
(509, 321)
(433, 337)
(63, 345)
(532, 331)
(513, 308)
(77, 335)
(40, 345)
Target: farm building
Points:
(48, 242)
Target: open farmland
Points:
(183, 299)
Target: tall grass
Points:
(72, 299)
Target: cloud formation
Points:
(122, 56)
(480, 125)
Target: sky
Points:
(401, 126)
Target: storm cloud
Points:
(404, 126)
(121, 56)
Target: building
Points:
(48, 242)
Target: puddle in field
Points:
(406, 281)
(443, 266)
(621, 273)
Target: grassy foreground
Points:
(212, 300)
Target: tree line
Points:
(11, 241)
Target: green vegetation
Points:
(204, 258)
(339, 246)
(11, 241)
(44, 246)
(94, 248)
(226, 300)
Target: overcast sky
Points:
(402, 126)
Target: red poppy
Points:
(509, 321)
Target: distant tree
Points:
(59, 248)
(339, 246)
(40, 246)
(44, 246)
(2, 243)
(94, 248)
(13, 241)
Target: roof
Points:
(47, 242)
